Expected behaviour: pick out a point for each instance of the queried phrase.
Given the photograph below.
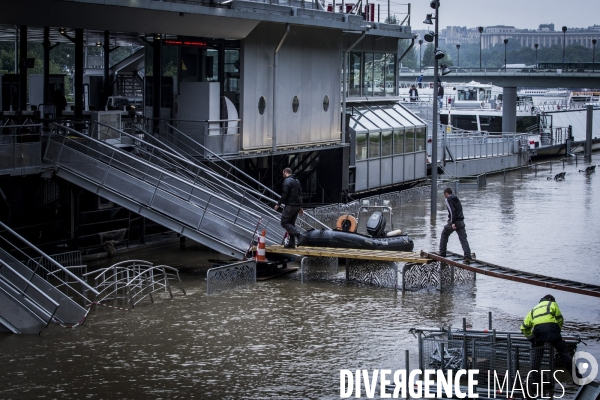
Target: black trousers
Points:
(462, 236)
(288, 221)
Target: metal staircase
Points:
(160, 190)
(32, 297)
(180, 155)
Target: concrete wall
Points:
(309, 67)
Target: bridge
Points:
(514, 78)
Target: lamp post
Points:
(480, 29)
(594, 41)
(505, 43)
(420, 58)
(536, 47)
(564, 29)
(458, 57)
(435, 4)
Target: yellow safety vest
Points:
(545, 312)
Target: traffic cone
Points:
(260, 251)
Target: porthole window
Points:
(326, 103)
(261, 105)
(295, 104)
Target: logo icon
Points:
(587, 366)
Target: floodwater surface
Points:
(285, 340)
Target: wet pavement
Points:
(286, 340)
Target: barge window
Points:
(378, 74)
(295, 104)
(354, 74)
(467, 122)
(386, 143)
(420, 139)
(261, 105)
(368, 75)
(361, 146)
(399, 141)
(390, 74)
(410, 141)
(374, 145)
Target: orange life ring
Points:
(346, 223)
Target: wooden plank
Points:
(375, 255)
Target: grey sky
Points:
(520, 13)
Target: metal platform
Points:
(485, 268)
(373, 267)
(358, 254)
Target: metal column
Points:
(509, 110)
(23, 67)
(588, 133)
(46, 45)
(157, 80)
(78, 90)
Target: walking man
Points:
(543, 325)
(440, 95)
(456, 222)
(291, 197)
(414, 94)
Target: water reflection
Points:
(282, 339)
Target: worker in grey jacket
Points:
(456, 222)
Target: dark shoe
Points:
(468, 260)
(300, 239)
(442, 254)
(290, 245)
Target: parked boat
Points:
(352, 240)
(346, 235)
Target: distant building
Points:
(545, 35)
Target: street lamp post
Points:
(434, 140)
(480, 29)
(505, 43)
(536, 47)
(564, 29)
(594, 41)
(420, 58)
(458, 57)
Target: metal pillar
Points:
(275, 63)
(105, 80)
(588, 133)
(23, 67)
(434, 143)
(157, 80)
(78, 89)
(46, 45)
(509, 110)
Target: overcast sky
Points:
(519, 13)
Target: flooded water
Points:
(286, 340)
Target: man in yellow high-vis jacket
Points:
(543, 325)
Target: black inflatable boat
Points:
(351, 240)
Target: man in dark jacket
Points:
(291, 197)
(456, 222)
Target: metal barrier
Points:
(231, 276)
(500, 356)
(134, 280)
(436, 274)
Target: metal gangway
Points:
(147, 181)
(35, 289)
(497, 271)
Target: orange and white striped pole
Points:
(260, 251)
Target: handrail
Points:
(38, 290)
(191, 160)
(149, 165)
(50, 259)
